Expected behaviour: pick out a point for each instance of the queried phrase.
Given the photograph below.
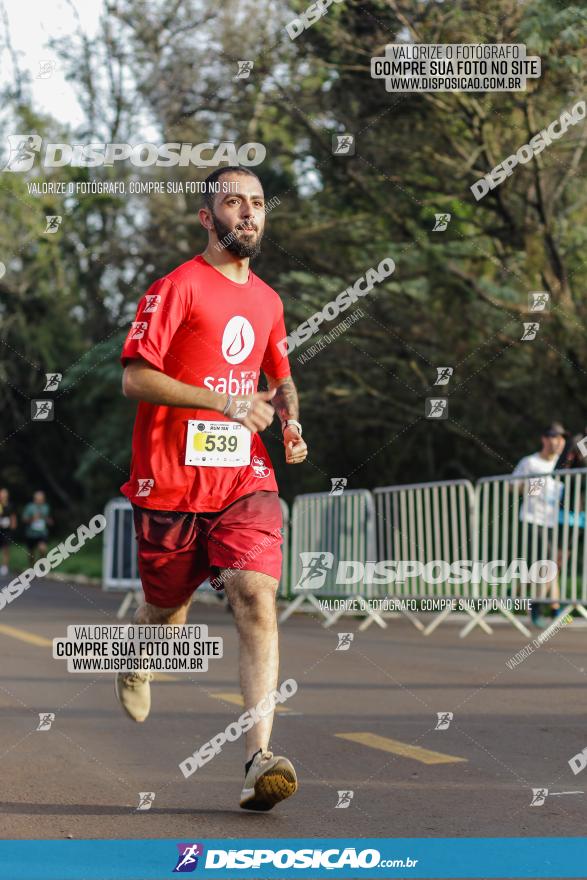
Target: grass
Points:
(87, 561)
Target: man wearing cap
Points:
(540, 507)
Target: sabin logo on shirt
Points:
(238, 340)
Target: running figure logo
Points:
(146, 799)
(344, 799)
(52, 381)
(444, 374)
(344, 641)
(144, 487)
(530, 331)
(152, 302)
(536, 485)
(187, 861)
(46, 719)
(538, 302)
(338, 485)
(46, 68)
(539, 795)
(23, 149)
(315, 567)
(241, 409)
(343, 144)
(444, 719)
(53, 223)
(441, 222)
(436, 408)
(244, 69)
(137, 330)
(42, 410)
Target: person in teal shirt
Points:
(37, 519)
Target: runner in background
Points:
(541, 509)
(7, 529)
(37, 518)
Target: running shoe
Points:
(268, 781)
(133, 691)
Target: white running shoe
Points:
(269, 780)
(133, 691)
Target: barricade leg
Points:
(297, 603)
(437, 621)
(371, 616)
(133, 596)
(390, 614)
(476, 620)
(479, 621)
(349, 605)
(516, 622)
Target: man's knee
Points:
(253, 597)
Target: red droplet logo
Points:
(237, 344)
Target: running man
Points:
(202, 484)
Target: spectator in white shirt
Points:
(541, 504)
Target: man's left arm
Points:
(286, 405)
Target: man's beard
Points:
(238, 247)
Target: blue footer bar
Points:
(449, 858)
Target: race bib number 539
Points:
(217, 444)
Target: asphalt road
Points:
(363, 720)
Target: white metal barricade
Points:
(325, 530)
(424, 523)
(120, 563)
(119, 554)
(528, 520)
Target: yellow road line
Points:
(25, 636)
(405, 750)
(238, 701)
(33, 639)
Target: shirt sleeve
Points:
(275, 361)
(159, 315)
(521, 469)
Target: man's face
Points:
(239, 215)
(553, 445)
(39, 497)
(4, 496)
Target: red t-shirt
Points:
(200, 327)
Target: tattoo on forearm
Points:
(286, 401)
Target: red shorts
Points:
(178, 551)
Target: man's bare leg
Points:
(269, 778)
(252, 598)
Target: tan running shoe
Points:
(269, 780)
(133, 691)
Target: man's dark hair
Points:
(209, 190)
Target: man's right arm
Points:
(141, 381)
